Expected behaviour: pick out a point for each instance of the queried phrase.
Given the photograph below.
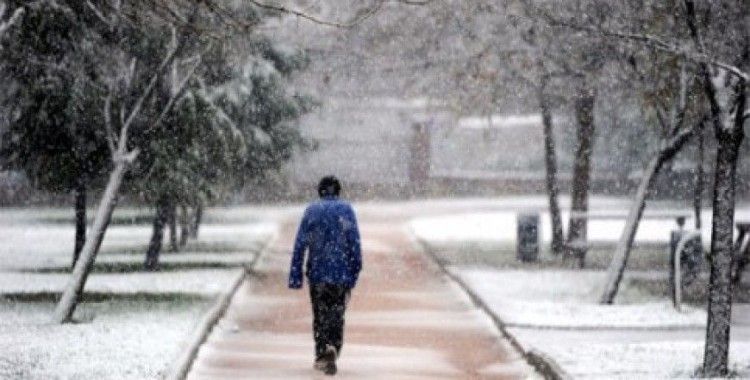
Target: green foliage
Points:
(53, 99)
(236, 121)
(191, 157)
(258, 102)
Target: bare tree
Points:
(674, 135)
(716, 37)
(699, 182)
(545, 69)
(550, 164)
(579, 59)
(584, 102)
(725, 71)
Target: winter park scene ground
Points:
(375, 189)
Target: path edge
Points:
(184, 362)
(541, 362)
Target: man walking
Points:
(329, 233)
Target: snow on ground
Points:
(237, 258)
(568, 299)
(393, 209)
(238, 233)
(495, 226)
(141, 321)
(555, 312)
(608, 354)
(33, 245)
(202, 282)
(126, 340)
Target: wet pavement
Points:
(405, 321)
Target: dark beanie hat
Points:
(329, 185)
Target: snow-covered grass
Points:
(503, 255)
(488, 236)
(30, 244)
(630, 354)
(499, 226)
(205, 282)
(125, 340)
(568, 299)
(554, 310)
(134, 323)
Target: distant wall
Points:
(385, 148)
(362, 140)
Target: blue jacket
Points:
(330, 234)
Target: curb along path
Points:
(406, 320)
(543, 363)
(181, 366)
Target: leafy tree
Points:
(53, 102)
(187, 166)
(236, 125)
(263, 108)
(131, 109)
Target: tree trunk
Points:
(80, 212)
(698, 185)
(184, 225)
(584, 109)
(74, 288)
(161, 218)
(122, 159)
(668, 149)
(172, 218)
(622, 252)
(196, 221)
(550, 161)
(715, 359)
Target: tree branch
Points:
(415, 2)
(716, 82)
(665, 127)
(283, 9)
(179, 91)
(692, 23)
(108, 124)
(146, 94)
(672, 145)
(682, 101)
(659, 44)
(17, 14)
(99, 14)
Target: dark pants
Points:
(328, 305)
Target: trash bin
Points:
(691, 257)
(527, 238)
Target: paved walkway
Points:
(405, 321)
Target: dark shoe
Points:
(330, 357)
(320, 365)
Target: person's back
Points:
(329, 233)
(333, 256)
